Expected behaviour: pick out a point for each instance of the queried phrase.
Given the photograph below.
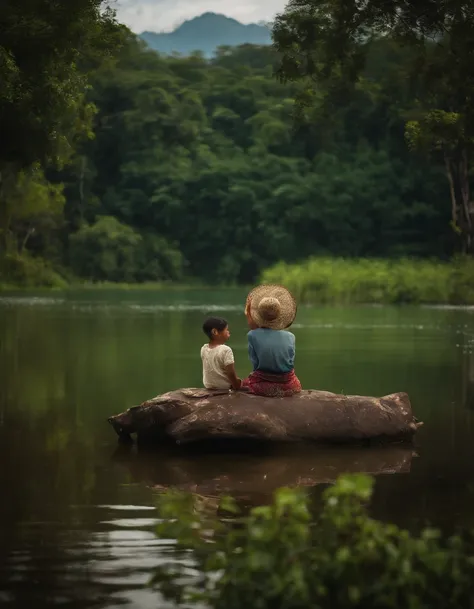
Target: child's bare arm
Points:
(233, 378)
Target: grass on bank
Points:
(335, 281)
(29, 272)
(25, 272)
(152, 286)
(365, 281)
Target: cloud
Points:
(165, 15)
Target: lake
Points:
(77, 511)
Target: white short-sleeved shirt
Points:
(214, 362)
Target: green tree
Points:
(43, 46)
(444, 134)
(201, 164)
(47, 51)
(105, 250)
(327, 42)
(204, 154)
(111, 251)
(32, 204)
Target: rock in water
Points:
(191, 415)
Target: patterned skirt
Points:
(272, 385)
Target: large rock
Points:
(190, 415)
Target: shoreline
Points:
(19, 291)
(110, 286)
(351, 281)
(321, 281)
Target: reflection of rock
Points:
(189, 415)
(254, 475)
(468, 380)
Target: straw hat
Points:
(271, 306)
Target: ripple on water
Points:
(372, 326)
(107, 565)
(184, 307)
(131, 522)
(127, 508)
(31, 301)
(87, 306)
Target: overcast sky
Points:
(165, 15)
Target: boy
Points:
(218, 369)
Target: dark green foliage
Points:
(47, 50)
(328, 43)
(343, 281)
(204, 153)
(201, 167)
(45, 46)
(29, 272)
(283, 556)
(111, 251)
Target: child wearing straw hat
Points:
(270, 310)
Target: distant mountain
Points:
(206, 33)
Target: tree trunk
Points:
(81, 188)
(457, 172)
(190, 415)
(29, 232)
(465, 200)
(8, 178)
(452, 191)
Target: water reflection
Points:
(253, 478)
(109, 568)
(76, 524)
(468, 376)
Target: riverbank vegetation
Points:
(283, 555)
(133, 167)
(362, 281)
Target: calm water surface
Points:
(77, 512)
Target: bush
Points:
(111, 251)
(353, 281)
(281, 557)
(28, 272)
(159, 260)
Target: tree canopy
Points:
(151, 167)
(45, 47)
(47, 50)
(327, 42)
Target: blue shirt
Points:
(272, 350)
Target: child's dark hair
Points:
(214, 323)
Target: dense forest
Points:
(195, 168)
